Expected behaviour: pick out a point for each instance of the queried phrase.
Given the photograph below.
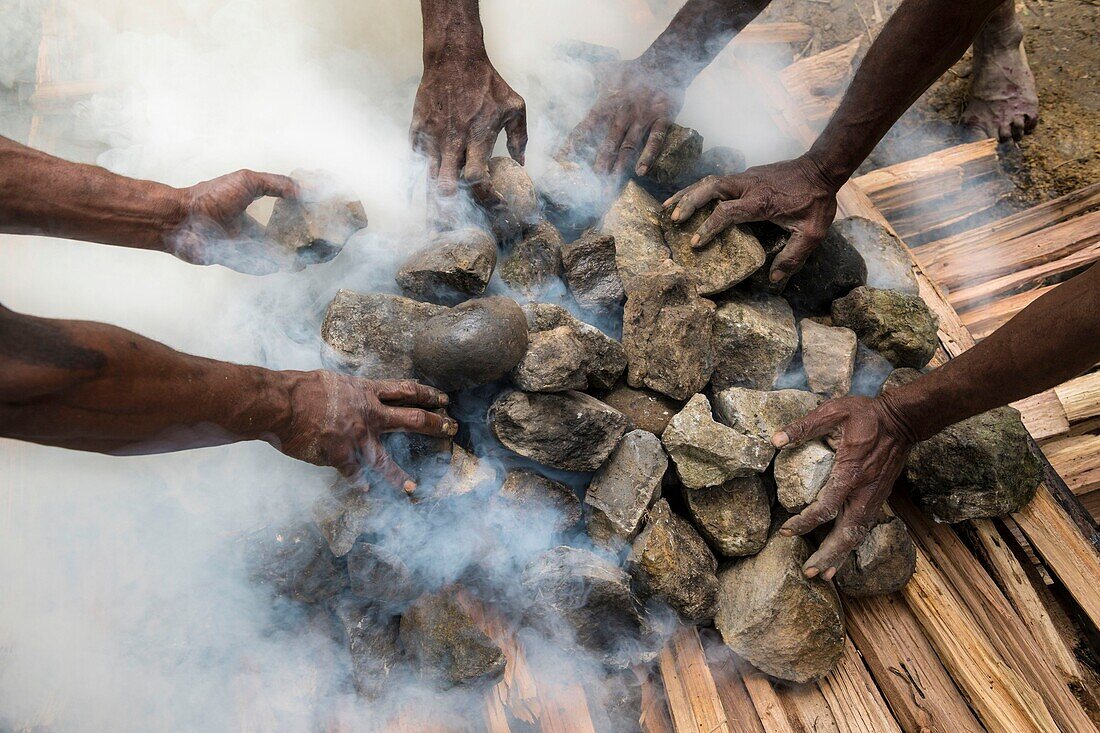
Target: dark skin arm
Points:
(202, 224)
(643, 96)
(462, 103)
(95, 387)
(920, 41)
(1054, 339)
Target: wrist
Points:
(667, 67)
(825, 173)
(171, 208)
(267, 413)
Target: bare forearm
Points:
(1055, 338)
(41, 194)
(698, 32)
(451, 26)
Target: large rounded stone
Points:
(733, 517)
(830, 272)
(516, 188)
(474, 343)
(645, 409)
(372, 333)
(898, 326)
(889, 265)
(670, 561)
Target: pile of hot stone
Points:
(668, 428)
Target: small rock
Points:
(896, 325)
(733, 517)
(446, 645)
(678, 158)
(670, 561)
(754, 340)
(455, 266)
(829, 357)
(761, 414)
(800, 473)
(373, 644)
(625, 486)
(787, 625)
(380, 577)
(634, 223)
(532, 491)
(591, 273)
(645, 409)
(872, 369)
(726, 260)
(372, 334)
(708, 453)
(342, 514)
(316, 225)
(534, 263)
(573, 193)
(666, 328)
(565, 353)
(830, 272)
(474, 343)
(295, 563)
(464, 475)
(511, 181)
(567, 430)
(883, 562)
(889, 265)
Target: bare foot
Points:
(1003, 103)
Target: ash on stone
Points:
(707, 453)
(726, 260)
(644, 408)
(531, 491)
(591, 273)
(453, 267)
(762, 413)
(800, 474)
(295, 562)
(829, 357)
(314, 226)
(754, 340)
(883, 562)
(625, 486)
(565, 353)
(342, 514)
(898, 326)
(679, 157)
(670, 561)
(446, 645)
(380, 577)
(634, 223)
(372, 333)
(733, 517)
(534, 263)
(372, 639)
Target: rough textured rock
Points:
(373, 645)
(591, 273)
(511, 181)
(733, 517)
(645, 409)
(829, 357)
(830, 272)
(316, 225)
(567, 430)
(883, 562)
(573, 193)
(634, 222)
(625, 486)
(726, 260)
(678, 158)
(446, 645)
(295, 562)
(342, 513)
(372, 334)
(898, 326)
(800, 473)
(754, 340)
(465, 474)
(785, 624)
(666, 328)
(761, 413)
(474, 343)
(591, 597)
(888, 263)
(453, 267)
(566, 353)
(380, 577)
(980, 467)
(534, 263)
(708, 453)
(530, 491)
(670, 561)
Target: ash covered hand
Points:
(872, 443)
(794, 194)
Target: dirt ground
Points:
(1062, 154)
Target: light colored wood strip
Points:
(1077, 461)
(931, 220)
(973, 296)
(806, 705)
(1043, 415)
(816, 81)
(692, 696)
(767, 703)
(755, 34)
(930, 177)
(654, 717)
(741, 714)
(988, 317)
(1080, 397)
(496, 721)
(851, 694)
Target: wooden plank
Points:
(930, 177)
(975, 295)
(931, 220)
(1043, 415)
(755, 34)
(806, 706)
(815, 81)
(741, 715)
(1077, 460)
(856, 703)
(988, 317)
(654, 717)
(692, 696)
(767, 703)
(1080, 397)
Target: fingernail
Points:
(780, 440)
(776, 276)
(695, 240)
(451, 427)
(444, 399)
(811, 572)
(829, 574)
(409, 487)
(642, 169)
(784, 532)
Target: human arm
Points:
(920, 41)
(94, 387)
(642, 97)
(462, 102)
(1055, 338)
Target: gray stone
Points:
(883, 562)
(295, 562)
(726, 260)
(872, 369)
(533, 265)
(707, 453)
(314, 226)
(625, 486)
(474, 343)
(453, 267)
(670, 561)
(666, 328)
(785, 624)
(645, 409)
(512, 183)
(754, 340)
(889, 265)
(733, 517)
(342, 514)
(762, 413)
(830, 272)
(380, 577)
(574, 192)
(565, 353)
(372, 640)
(530, 491)
(829, 357)
(372, 334)
(634, 222)
(465, 474)
(446, 645)
(678, 157)
(591, 273)
(567, 430)
(800, 473)
(898, 326)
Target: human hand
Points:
(633, 111)
(336, 420)
(793, 194)
(872, 442)
(461, 106)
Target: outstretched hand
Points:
(793, 194)
(872, 443)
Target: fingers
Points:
(631, 142)
(609, 148)
(653, 146)
(843, 480)
(819, 422)
(449, 165)
(725, 214)
(409, 392)
(515, 129)
(415, 420)
(703, 192)
(270, 184)
(791, 258)
(580, 136)
(844, 537)
(1017, 129)
(376, 460)
(476, 173)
